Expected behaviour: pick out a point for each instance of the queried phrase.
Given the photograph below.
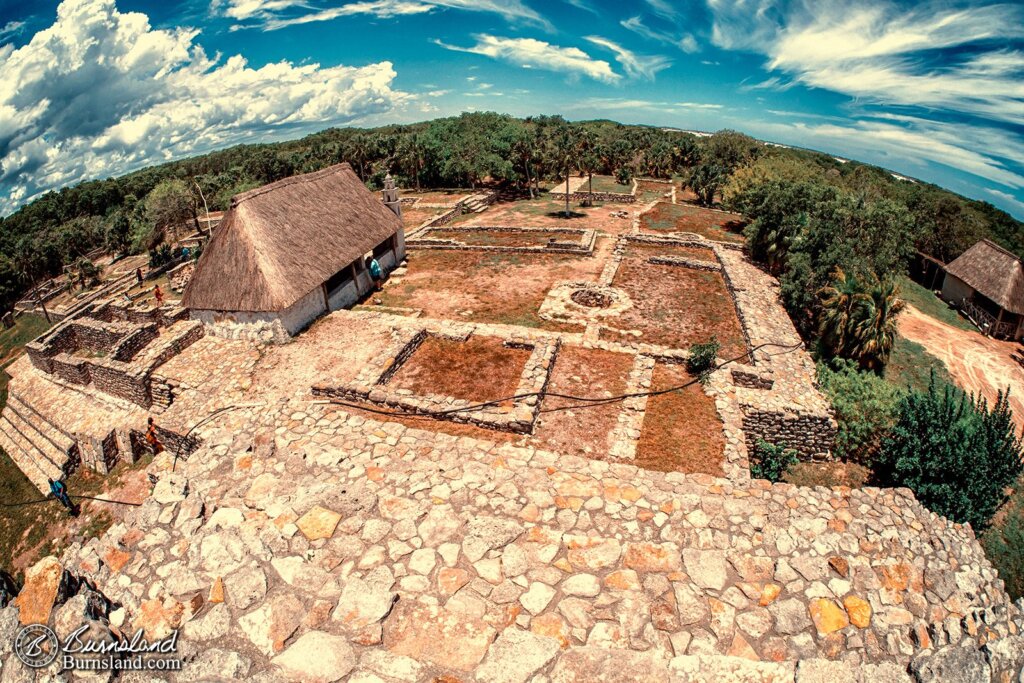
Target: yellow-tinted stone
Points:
(318, 523)
(36, 598)
(859, 611)
(828, 617)
(217, 591)
(769, 593)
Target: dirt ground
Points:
(682, 431)
(714, 225)
(674, 306)
(534, 238)
(977, 363)
(478, 369)
(545, 213)
(413, 218)
(647, 191)
(583, 431)
(489, 287)
(438, 196)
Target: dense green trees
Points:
(956, 454)
(799, 200)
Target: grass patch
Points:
(605, 183)
(828, 474)
(911, 365)
(925, 301)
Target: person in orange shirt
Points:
(152, 439)
(159, 294)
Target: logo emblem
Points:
(36, 646)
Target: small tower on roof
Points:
(390, 193)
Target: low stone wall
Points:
(585, 245)
(179, 276)
(810, 435)
(684, 262)
(610, 197)
(372, 385)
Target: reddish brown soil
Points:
(583, 431)
(413, 218)
(488, 287)
(682, 431)
(978, 364)
(675, 306)
(478, 369)
(647, 191)
(439, 196)
(828, 474)
(490, 238)
(714, 225)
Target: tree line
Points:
(786, 192)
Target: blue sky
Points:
(92, 88)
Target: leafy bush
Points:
(1004, 547)
(160, 256)
(701, 361)
(770, 461)
(865, 406)
(957, 456)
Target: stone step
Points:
(22, 460)
(42, 447)
(61, 441)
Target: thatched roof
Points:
(993, 272)
(279, 242)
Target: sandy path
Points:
(977, 363)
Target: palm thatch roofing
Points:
(279, 242)
(993, 272)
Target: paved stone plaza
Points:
(308, 541)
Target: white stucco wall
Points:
(954, 289)
(264, 326)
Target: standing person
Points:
(159, 294)
(152, 439)
(377, 274)
(138, 276)
(60, 491)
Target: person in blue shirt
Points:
(377, 274)
(60, 491)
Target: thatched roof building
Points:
(987, 281)
(290, 250)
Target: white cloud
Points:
(685, 41)
(532, 53)
(636, 66)
(626, 104)
(271, 15)
(879, 51)
(1008, 199)
(101, 92)
(11, 28)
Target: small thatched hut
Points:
(290, 251)
(987, 283)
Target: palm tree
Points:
(565, 153)
(839, 302)
(357, 149)
(875, 327)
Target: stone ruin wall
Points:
(120, 334)
(585, 244)
(610, 197)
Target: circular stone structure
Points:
(583, 301)
(591, 298)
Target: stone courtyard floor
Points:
(311, 540)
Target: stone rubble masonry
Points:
(372, 383)
(626, 435)
(584, 244)
(580, 194)
(179, 276)
(114, 347)
(447, 558)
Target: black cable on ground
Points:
(582, 401)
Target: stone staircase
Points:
(478, 203)
(38, 447)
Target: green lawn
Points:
(26, 328)
(910, 364)
(606, 183)
(923, 300)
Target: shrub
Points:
(770, 461)
(957, 456)
(865, 406)
(1004, 546)
(701, 361)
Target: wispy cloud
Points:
(532, 53)
(684, 41)
(583, 5)
(11, 29)
(626, 104)
(636, 66)
(880, 51)
(271, 15)
(1008, 199)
